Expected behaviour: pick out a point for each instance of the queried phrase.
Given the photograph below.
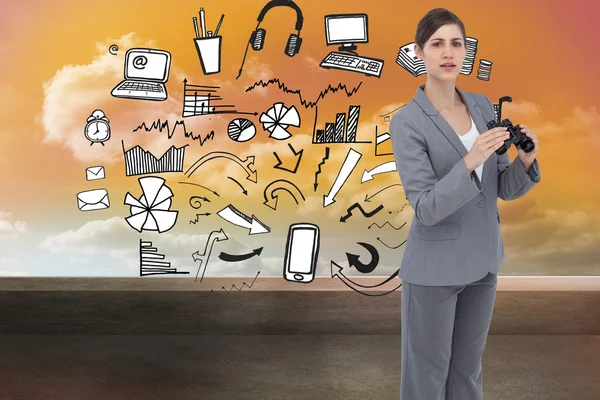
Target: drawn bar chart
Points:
(198, 100)
(150, 261)
(343, 130)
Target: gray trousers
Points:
(444, 332)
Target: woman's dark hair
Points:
(432, 21)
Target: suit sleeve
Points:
(513, 181)
(431, 199)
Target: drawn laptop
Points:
(146, 71)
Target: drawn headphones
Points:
(257, 38)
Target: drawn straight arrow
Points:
(239, 257)
(280, 184)
(347, 167)
(245, 164)
(336, 270)
(380, 169)
(236, 217)
(368, 198)
(214, 236)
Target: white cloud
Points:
(9, 228)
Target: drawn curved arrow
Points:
(336, 270)
(380, 169)
(245, 164)
(298, 156)
(281, 184)
(239, 257)
(368, 198)
(353, 259)
(244, 191)
(203, 258)
(203, 187)
(391, 247)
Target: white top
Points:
(468, 139)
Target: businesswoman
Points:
(452, 177)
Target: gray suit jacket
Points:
(455, 237)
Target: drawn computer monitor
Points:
(346, 30)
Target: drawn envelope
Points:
(93, 173)
(93, 200)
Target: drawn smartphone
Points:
(301, 253)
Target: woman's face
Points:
(446, 45)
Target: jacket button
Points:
(480, 204)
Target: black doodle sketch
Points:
(407, 58)
(197, 101)
(278, 118)
(347, 30)
(113, 49)
(301, 252)
(239, 257)
(354, 259)
(297, 155)
(203, 187)
(338, 132)
(387, 223)
(150, 263)
(347, 167)
(241, 130)
(305, 103)
(146, 72)
(257, 38)
(234, 287)
(484, 70)
(244, 191)
(364, 213)
(95, 173)
(389, 166)
(139, 161)
(151, 212)
(271, 198)
(215, 236)
(336, 270)
(368, 198)
(165, 125)
(97, 128)
(195, 221)
(208, 45)
(91, 200)
(385, 137)
(325, 158)
(245, 164)
(388, 246)
(238, 218)
(196, 203)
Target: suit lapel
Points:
(423, 101)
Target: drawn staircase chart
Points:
(150, 261)
(198, 100)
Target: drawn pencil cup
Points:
(209, 52)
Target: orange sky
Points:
(57, 70)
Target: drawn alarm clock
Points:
(97, 129)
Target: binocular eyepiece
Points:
(519, 139)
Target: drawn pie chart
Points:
(241, 130)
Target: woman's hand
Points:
(528, 158)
